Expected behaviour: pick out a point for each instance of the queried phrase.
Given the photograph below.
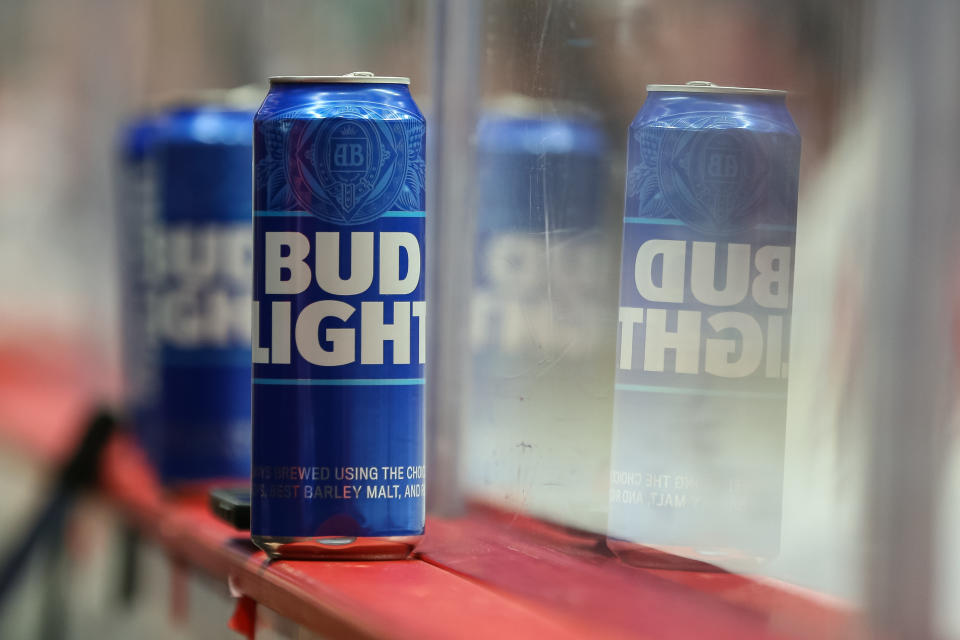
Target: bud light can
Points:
(197, 266)
(338, 318)
(542, 292)
(704, 322)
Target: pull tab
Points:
(359, 74)
(700, 83)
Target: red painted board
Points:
(574, 570)
(616, 601)
(407, 599)
(489, 574)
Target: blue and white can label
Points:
(704, 323)
(338, 315)
(192, 394)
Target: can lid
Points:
(703, 86)
(353, 77)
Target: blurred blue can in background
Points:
(538, 307)
(189, 290)
(704, 322)
(339, 318)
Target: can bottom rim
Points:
(338, 547)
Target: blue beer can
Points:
(704, 321)
(338, 318)
(194, 256)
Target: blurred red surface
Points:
(487, 574)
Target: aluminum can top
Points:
(704, 106)
(703, 86)
(354, 77)
(313, 99)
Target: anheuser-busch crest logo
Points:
(347, 170)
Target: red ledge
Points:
(574, 571)
(488, 574)
(405, 599)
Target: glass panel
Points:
(561, 82)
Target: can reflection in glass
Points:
(704, 323)
(538, 311)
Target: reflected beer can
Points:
(338, 313)
(190, 266)
(542, 291)
(704, 322)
